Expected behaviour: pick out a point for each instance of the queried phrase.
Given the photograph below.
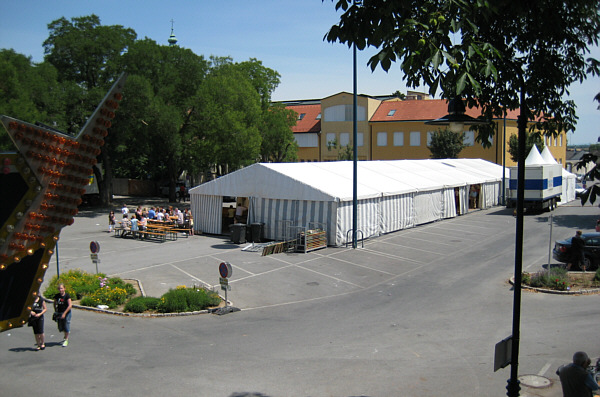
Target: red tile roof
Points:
(415, 110)
(309, 122)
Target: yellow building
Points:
(389, 128)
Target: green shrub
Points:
(597, 275)
(186, 300)
(110, 296)
(141, 304)
(92, 289)
(555, 278)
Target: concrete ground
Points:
(412, 313)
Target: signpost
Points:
(95, 249)
(225, 270)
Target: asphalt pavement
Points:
(411, 313)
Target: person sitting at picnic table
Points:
(151, 213)
(143, 223)
(179, 218)
(160, 215)
(134, 225)
(125, 223)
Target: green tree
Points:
(159, 112)
(278, 143)
(227, 119)
(84, 51)
(530, 140)
(487, 52)
(446, 144)
(85, 54)
(29, 92)
(593, 190)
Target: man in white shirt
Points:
(125, 210)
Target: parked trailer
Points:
(543, 187)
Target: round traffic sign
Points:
(225, 269)
(95, 247)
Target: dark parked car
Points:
(591, 251)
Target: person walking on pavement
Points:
(576, 381)
(36, 321)
(577, 244)
(62, 309)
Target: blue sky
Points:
(285, 35)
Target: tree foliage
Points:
(446, 144)
(179, 112)
(530, 140)
(84, 51)
(29, 92)
(278, 143)
(486, 52)
(593, 190)
(228, 115)
(157, 120)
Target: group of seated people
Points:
(139, 219)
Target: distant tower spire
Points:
(172, 38)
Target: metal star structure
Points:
(41, 186)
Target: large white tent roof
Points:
(333, 181)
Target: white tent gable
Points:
(534, 157)
(547, 156)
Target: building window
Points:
(360, 139)
(560, 141)
(469, 138)
(301, 116)
(398, 138)
(415, 138)
(344, 113)
(391, 112)
(429, 136)
(330, 139)
(382, 139)
(318, 116)
(344, 139)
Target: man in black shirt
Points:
(577, 244)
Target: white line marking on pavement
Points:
(544, 369)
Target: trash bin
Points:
(257, 232)
(249, 233)
(238, 233)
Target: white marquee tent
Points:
(392, 195)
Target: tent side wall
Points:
(368, 220)
(207, 212)
(277, 214)
(397, 212)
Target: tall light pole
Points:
(456, 119)
(354, 150)
(513, 383)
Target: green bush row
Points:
(97, 289)
(81, 285)
(555, 278)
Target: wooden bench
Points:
(159, 235)
(168, 230)
(122, 231)
(185, 232)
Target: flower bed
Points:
(559, 279)
(97, 290)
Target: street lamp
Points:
(456, 119)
